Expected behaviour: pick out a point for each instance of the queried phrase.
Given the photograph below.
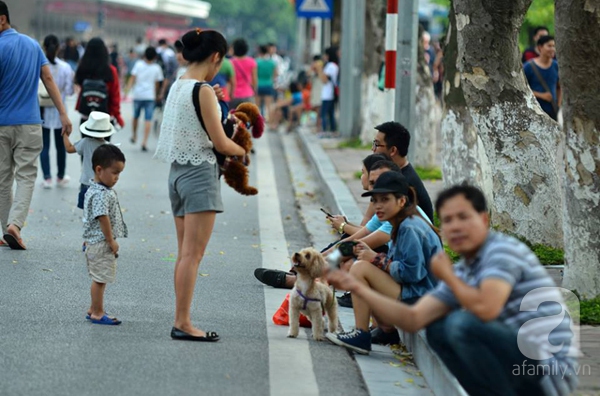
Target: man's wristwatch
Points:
(341, 229)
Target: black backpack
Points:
(228, 125)
(93, 96)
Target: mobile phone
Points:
(347, 248)
(326, 213)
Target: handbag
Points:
(282, 316)
(44, 96)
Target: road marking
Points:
(287, 357)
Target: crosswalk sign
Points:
(314, 9)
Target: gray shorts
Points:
(101, 262)
(195, 188)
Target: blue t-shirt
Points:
(21, 61)
(550, 75)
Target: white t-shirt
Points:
(146, 76)
(332, 70)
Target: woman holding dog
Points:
(404, 272)
(194, 188)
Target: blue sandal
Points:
(106, 320)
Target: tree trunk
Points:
(463, 158)
(520, 140)
(428, 114)
(373, 100)
(577, 31)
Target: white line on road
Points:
(287, 357)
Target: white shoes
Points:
(47, 184)
(64, 181)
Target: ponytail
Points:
(409, 210)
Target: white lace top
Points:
(182, 137)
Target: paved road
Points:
(48, 348)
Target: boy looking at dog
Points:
(102, 225)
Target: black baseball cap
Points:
(389, 182)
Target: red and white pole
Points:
(391, 44)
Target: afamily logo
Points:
(553, 329)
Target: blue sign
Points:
(314, 9)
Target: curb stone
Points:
(339, 198)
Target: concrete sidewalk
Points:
(341, 190)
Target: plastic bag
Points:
(282, 317)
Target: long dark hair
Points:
(94, 63)
(51, 45)
(200, 45)
(410, 210)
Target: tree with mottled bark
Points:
(520, 140)
(463, 156)
(578, 48)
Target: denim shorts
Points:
(82, 190)
(147, 105)
(266, 91)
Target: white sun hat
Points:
(98, 125)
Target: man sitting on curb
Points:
(393, 140)
(473, 317)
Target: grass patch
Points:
(429, 173)
(358, 175)
(590, 311)
(354, 143)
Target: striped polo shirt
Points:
(545, 331)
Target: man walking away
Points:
(22, 62)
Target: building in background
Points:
(116, 21)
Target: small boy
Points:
(95, 129)
(102, 224)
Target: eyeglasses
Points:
(376, 144)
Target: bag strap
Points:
(196, 100)
(544, 84)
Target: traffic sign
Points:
(314, 9)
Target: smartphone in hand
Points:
(326, 213)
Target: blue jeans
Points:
(328, 113)
(61, 154)
(481, 355)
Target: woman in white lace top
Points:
(194, 188)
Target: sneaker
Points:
(47, 184)
(274, 278)
(64, 181)
(345, 300)
(357, 340)
(380, 337)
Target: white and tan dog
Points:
(311, 297)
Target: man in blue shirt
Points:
(22, 64)
(542, 76)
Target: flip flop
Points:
(88, 317)
(14, 242)
(2, 243)
(106, 320)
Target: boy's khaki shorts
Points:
(101, 262)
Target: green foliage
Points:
(590, 311)
(354, 143)
(540, 13)
(429, 173)
(548, 255)
(453, 256)
(258, 21)
(358, 174)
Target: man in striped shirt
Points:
(496, 318)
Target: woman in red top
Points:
(95, 65)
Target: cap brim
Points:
(378, 191)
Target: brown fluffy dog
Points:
(235, 169)
(311, 297)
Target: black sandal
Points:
(177, 334)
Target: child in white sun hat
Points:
(95, 130)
